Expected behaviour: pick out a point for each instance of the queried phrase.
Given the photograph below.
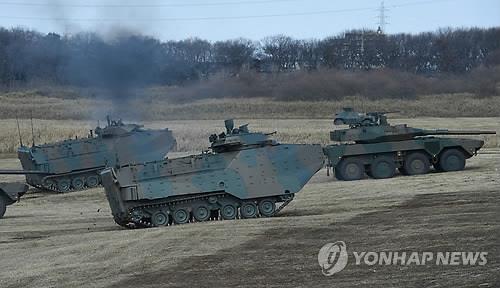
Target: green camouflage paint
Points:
(411, 150)
(79, 161)
(242, 168)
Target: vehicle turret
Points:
(238, 138)
(373, 147)
(116, 127)
(381, 133)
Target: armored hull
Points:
(378, 149)
(75, 164)
(9, 194)
(237, 179)
(410, 157)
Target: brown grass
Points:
(58, 117)
(158, 106)
(192, 135)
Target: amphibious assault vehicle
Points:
(9, 194)
(75, 164)
(374, 147)
(243, 175)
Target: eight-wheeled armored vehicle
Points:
(243, 175)
(376, 148)
(75, 164)
(10, 194)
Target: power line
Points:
(417, 3)
(189, 18)
(222, 3)
(215, 18)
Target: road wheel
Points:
(382, 167)
(92, 181)
(452, 160)
(228, 212)
(267, 207)
(78, 183)
(159, 219)
(63, 185)
(350, 169)
(49, 184)
(248, 210)
(201, 213)
(3, 206)
(181, 216)
(416, 163)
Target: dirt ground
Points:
(70, 240)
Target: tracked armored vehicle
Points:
(372, 146)
(243, 175)
(75, 164)
(10, 194)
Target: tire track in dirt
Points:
(288, 256)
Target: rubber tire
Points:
(80, 184)
(198, 216)
(161, 221)
(265, 208)
(416, 156)
(377, 173)
(248, 210)
(228, 216)
(91, 183)
(452, 155)
(178, 220)
(3, 206)
(347, 163)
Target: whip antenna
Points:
(19, 132)
(32, 131)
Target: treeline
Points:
(86, 59)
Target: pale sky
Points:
(254, 19)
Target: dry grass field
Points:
(70, 240)
(60, 103)
(192, 135)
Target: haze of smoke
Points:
(118, 63)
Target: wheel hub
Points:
(352, 169)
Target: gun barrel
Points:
(21, 172)
(382, 112)
(459, 132)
